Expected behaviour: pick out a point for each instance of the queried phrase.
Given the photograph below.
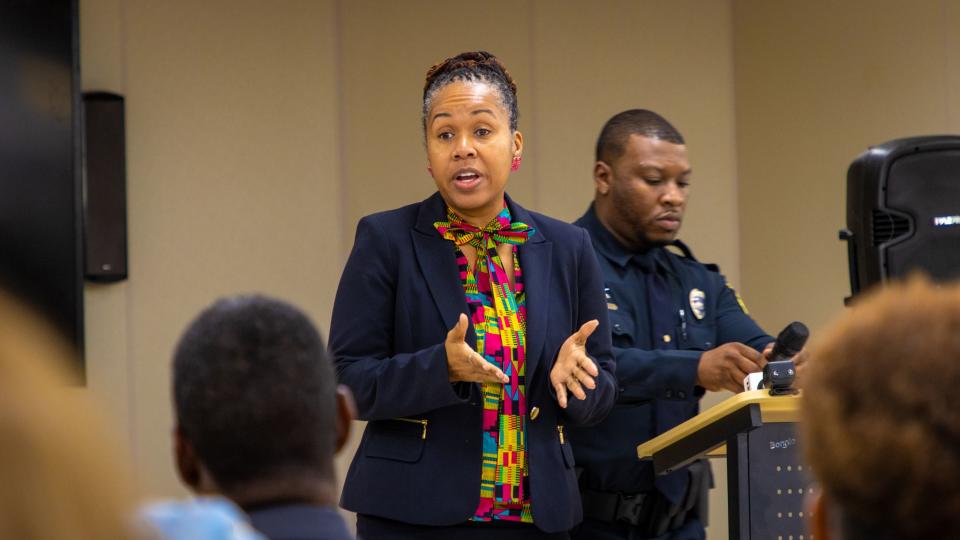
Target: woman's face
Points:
(470, 149)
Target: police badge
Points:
(698, 303)
(611, 305)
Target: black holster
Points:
(651, 512)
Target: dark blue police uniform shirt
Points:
(656, 374)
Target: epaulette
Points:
(684, 249)
(687, 253)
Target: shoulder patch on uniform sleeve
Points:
(739, 300)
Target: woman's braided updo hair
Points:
(476, 66)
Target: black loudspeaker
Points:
(903, 211)
(105, 188)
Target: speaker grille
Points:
(888, 226)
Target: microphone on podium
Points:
(779, 373)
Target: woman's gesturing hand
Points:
(464, 363)
(574, 369)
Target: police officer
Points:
(678, 330)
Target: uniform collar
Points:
(608, 246)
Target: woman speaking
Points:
(471, 332)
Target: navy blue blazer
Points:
(420, 457)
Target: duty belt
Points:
(617, 507)
(651, 511)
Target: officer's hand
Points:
(574, 369)
(725, 367)
(463, 363)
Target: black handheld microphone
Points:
(790, 341)
(779, 373)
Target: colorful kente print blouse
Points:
(498, 313)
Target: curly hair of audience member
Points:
(881, 413)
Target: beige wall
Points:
(260, 132)
(232, 168)
(575, 68)
(816, 83)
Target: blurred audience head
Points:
(881, 417)
(258, 410)
(61, 475)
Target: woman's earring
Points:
(515, 166)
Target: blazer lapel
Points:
(535, 261)
(438, 263)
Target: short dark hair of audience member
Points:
(618, 129)
(259, 414)
(881, 417)
(63, 473)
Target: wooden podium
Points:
(766, 478)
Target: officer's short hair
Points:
(618, 129)
(254, 392)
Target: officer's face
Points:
(641, 196)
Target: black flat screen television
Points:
(40, 187)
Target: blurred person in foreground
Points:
(260, 416)
(881, 417)
(473, 333)
(61, 474)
